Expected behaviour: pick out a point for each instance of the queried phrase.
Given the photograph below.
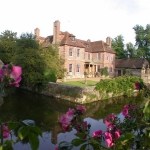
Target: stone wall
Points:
(71, 93)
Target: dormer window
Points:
(73, 38)
(87, 46)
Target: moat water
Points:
(46, 112)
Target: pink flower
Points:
(81, 108)
(16, 75)
(117, 134)
(109, 120)
(5, 132)
(97, 133)
(125, 111)
(70, 112)
(137, 86)
(56, 148)
(108, 139)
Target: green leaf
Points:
(36, 130)
(1, 147)
(12, 126)
(83, 147)
(80, 135)
(77, 142)
(23, 132)
(33, 140)
(125, 137)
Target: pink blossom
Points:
(109, 120)
(16, 75)
(97, 133)
(125, 111)
(108, 139)
(65, 119)
(70, 112)
(81, 108)
(137, 86)
(6, 132)
(1, 75)
(56, 148)
(117, 134)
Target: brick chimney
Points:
(108, 41)
(56, 31)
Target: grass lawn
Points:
(80, 83)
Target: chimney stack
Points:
(108, 41)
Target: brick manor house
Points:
(80, 55)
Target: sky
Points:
(86, 19)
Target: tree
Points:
(39, 65)
(118, 46)
(143, 41)
(131, 48)
(54, 63)
(28, 56)
(7, 46)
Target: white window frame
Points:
(70, 67)
(89, 56)
(78, 52)
(98, 56)
(71, 52)
(84, 55)
(78, 68)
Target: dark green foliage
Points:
(7, 46)
(142, 41)
(131, 49)
(123, 85)
(104, 71)
(118, 46)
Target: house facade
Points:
(80, 56)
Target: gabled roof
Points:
(67, 40)
(136, 63)
(97, 46)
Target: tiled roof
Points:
(67, 40)
(136, 63)
(97, 46)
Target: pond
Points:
(46, 111)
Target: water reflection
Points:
(46, 111)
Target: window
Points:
(110, 69)
(107, 56)
(87, 46)
(89, 56)
(73, 38)
(84, 55)
(70, 52)
(78, 68)
(98, 68)
(98, 56)
(78, 52)
(70, 67)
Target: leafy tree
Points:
(131, 48)
(39, 65)
(54, 63)
(118, 46)
(143, 41)
(7, 46)
(28, 56)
